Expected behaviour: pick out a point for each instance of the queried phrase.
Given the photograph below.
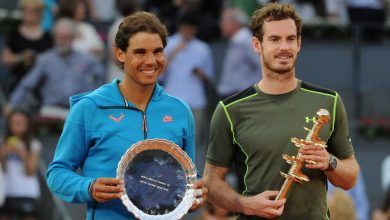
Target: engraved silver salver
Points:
(158, 177)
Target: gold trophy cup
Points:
(295, 174)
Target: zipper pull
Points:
(144, 125)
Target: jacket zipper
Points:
(144, 119)
(144, 125)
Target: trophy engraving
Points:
(295, 174)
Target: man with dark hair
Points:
(189, 69)
(103, 124)
(253, 128)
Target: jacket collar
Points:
(109, 95)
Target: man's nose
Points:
(285, 44)
(150, 58)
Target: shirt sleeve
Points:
(340, 143)
(221, 144)
(28, 84)
(72, 148)
(98, 74)
(208, 66)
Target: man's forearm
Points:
(221, 193)
(346, 173)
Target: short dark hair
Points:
(274, 12)
(135, 23)
(190, 17)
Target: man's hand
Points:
(317, 154)
(200, 194)
(264, 205)
(105, 189)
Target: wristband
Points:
(90, 187)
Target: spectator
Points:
(25, 42)
(341, 206)
(102, 11)
(60, 72)
(19, 156)
(359, 197)
(189, 68)
(87, 39)
(241, 66)
(336, 12)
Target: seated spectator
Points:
(19, 156)
(336, 12)
(241, 67)
(341, 206)
(87, 39)
(59, 73)
(358, 195)
(25, 42)
(102, 11)
(189, 65)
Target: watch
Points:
(332, 162)
(90, 187)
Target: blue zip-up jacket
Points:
(100, 127)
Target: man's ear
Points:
(299, 42)
(256, 45)
(120, 55)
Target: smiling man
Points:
(104, 123)
(253, 128)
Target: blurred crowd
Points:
(65, 47)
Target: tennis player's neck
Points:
(139, 96)
(277, 87)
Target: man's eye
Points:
(138, 52)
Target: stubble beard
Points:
(285, 73)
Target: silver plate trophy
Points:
(158, 177)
